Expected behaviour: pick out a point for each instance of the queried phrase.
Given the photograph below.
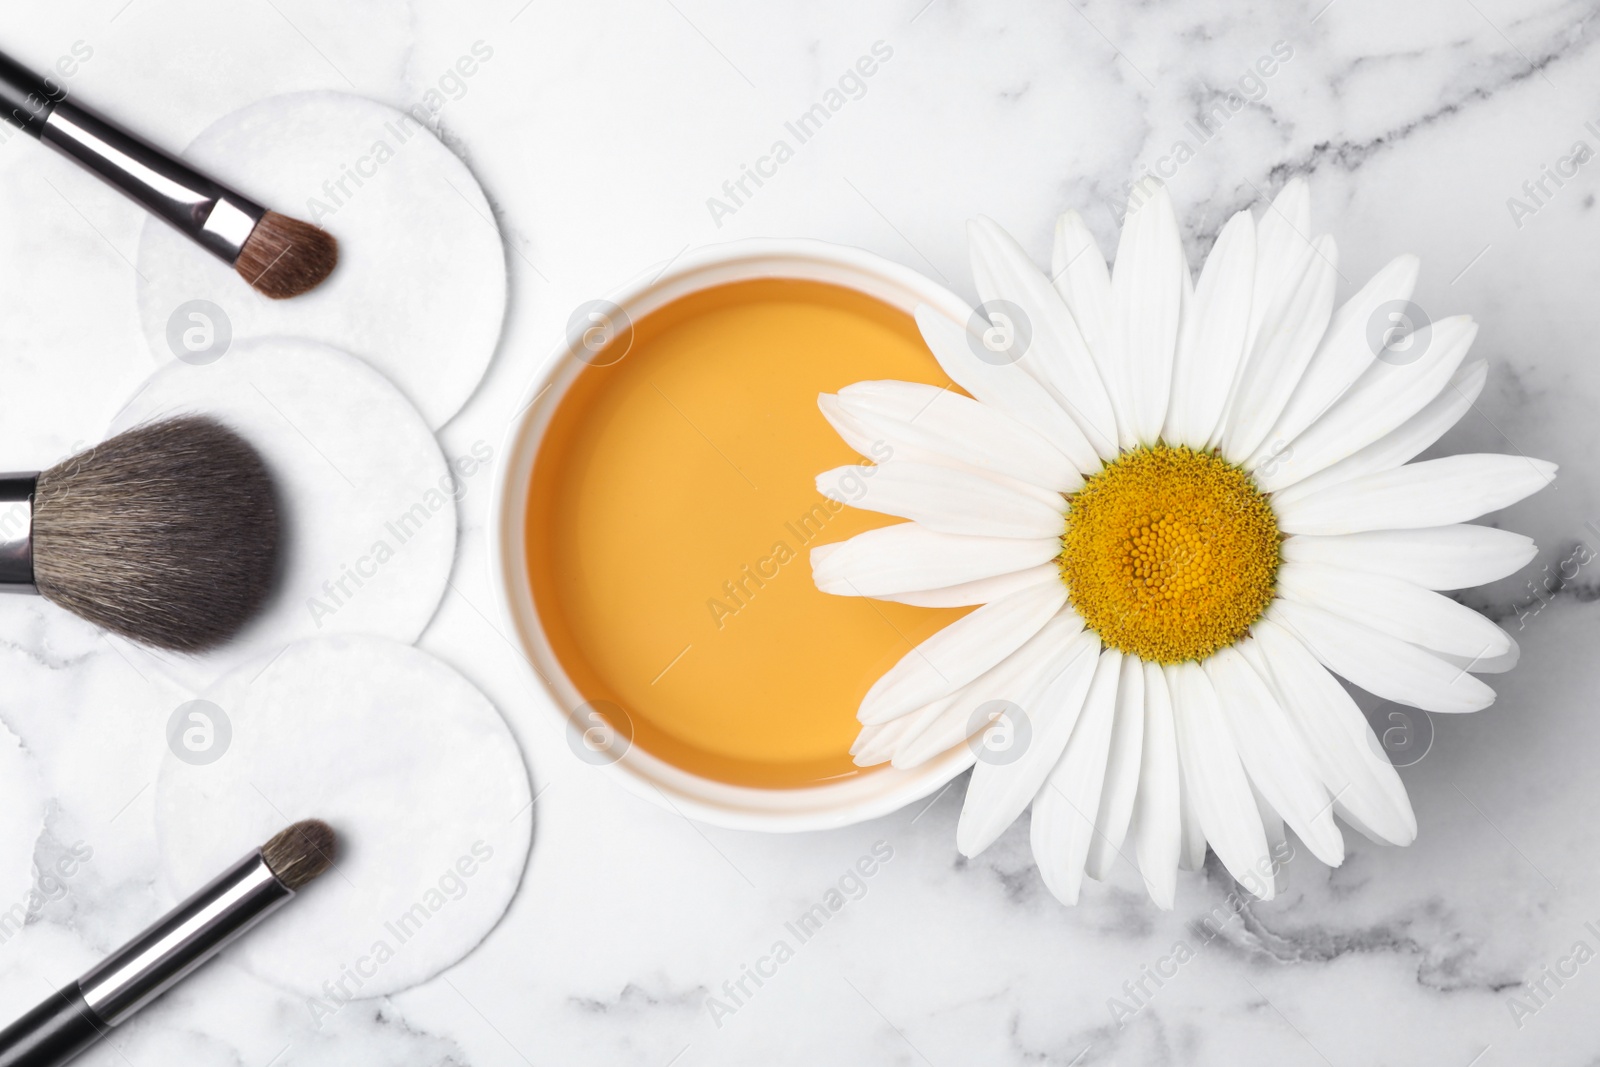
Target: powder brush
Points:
(166, 534)
(75, 1017)
(279, 256)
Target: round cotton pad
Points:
(420, 290)
(415, 771)
(365, 497)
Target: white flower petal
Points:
(1435, 492)
(1056, 353)
(1487, 664)
(1284, 248)
(1004, 783)
(882, 440)
(960, 652)
(1347, 350)
(944, 499)
(1355, 823)
(1211, 343)
(1065, 812)
(1400, 445)
(881, 742)
(1122, 773)
(1277, 838)
(1019, 459)
(938, 712)
(1215, 780)
(1350, 760)
(855, 433)
(1157, 818)
(1381, 401)
(1395, 607)
(1382, 665)
(966, 433)
(1434, 557)
(1283, 241)
(909, 557)
(964, 446)
(1282, 349)
(1191, 835)
(1147, 285)
(1007, 386)
(953, 719)
(1186, 310)
(981, 591)
(877, 743)
(1084, 283)
(1275, 755)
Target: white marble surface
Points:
(599, 130)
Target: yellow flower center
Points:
(1170, 553)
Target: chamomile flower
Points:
(1180, 509)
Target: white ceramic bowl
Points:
(719, 803)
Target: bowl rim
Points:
(822, 806)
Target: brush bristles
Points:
(301, 852)
(166, 534)
(285, 257)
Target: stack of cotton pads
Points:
(321, 708)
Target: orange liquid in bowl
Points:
(672, 510)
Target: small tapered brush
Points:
(166, 534)
(75, 1017)
(279, 256)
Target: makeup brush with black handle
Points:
(166, 534)
(187, 936)
(279, 256)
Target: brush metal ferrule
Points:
(219, 219)
(16, 532)
(183, 939)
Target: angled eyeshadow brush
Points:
(279, 256)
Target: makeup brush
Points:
(188, 935)
(280, 256)
(166, 534)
